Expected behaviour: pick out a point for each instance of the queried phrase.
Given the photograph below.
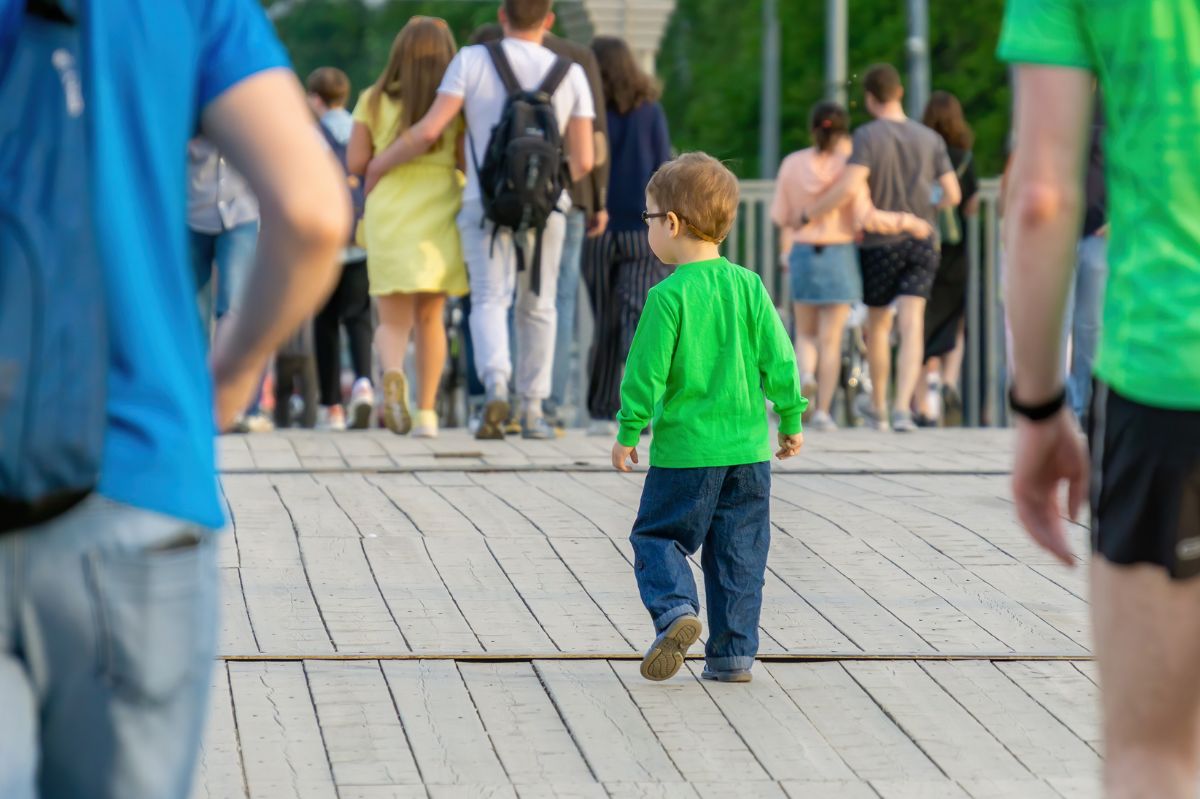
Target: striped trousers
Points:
(619, 269)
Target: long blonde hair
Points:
(420, 54)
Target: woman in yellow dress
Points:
(414, 256)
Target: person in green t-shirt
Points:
(710, 345)
(1145, 418)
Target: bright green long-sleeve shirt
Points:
(709, 346)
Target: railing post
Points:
(974, 336)
(997, 362)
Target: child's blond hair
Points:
(701, 191)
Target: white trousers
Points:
(494, 282)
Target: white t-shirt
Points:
(473, 77)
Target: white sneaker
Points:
(821, 422)
(258, 423)
(331, 418)
(602, 428)
(362, 402)
(425, 425)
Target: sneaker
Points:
(921, 420)
(556, 423)
(871, 419)
(952, 407)
(494, 416)
(602, 428)
(821, 422)
(362, 402)
(537, 428)
(902, 422)
(512, 425)
(666, 654)
(258, 423)
(426, 425)
(731, 675)
(396, 415)
(331, 418)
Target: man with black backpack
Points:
(529, 120)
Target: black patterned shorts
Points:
(904, 268)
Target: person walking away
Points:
(223, 231)
(350, 304)
(505, 258)
(945, 313)
(108, 618)
(709, 346)
(821, 256)
(1145, 419)
(907, 168)
(619, 266)
(414, 256)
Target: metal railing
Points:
(754, 243)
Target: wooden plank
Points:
(312, 508)
(606, 724)
(489, 514)
(1065, 693)
(425, 507)
(544, 790)
(1025, 728)
(1005, 789)
(651, 790)
(1083, 787)
(843, 789)
(852, 722)
(960, 746)
(219, 770)
(484, 595)
(362, 451)
(624, 489)
(232, 453)
(351, 604)
(500, 791)
(383, 792)
(448, 739)
(372, 513)
(690, 726)
(611, 517)
(725, 789)
(283, 612)
(794, 624)
(265, 535)
(526, 730)
(608, 578)
(237, 636)
(282, 748)
(1051, 602)
(419, 600)
(547, 514)
(571, 618)
(927, 789)
(777, 731)
(365, 740)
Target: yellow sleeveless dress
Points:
(409, 227)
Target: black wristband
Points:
(1038, 413)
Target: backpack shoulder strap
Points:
(555, 77)
(503, 68)
(966, 163)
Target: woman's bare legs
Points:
(806, 337)
(831, 330)
(396, 315)
(431, 348)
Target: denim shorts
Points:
(825, 274)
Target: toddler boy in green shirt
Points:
(708, 347)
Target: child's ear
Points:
(674, 224)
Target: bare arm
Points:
(869, 218)
(951, 191)
(852, 181)
(264, 127)
(360, 150)
(971, 206)
(418, 139)
(581, 147)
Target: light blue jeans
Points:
(232, 253)
(566, 300)
(1083, 319)
(108, 629)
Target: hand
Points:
(597, 224)
(622, 453)
(789, 446)
(1048, 453)
(373, 176)
(920, 229)
(1102, 231)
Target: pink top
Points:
(806, 175)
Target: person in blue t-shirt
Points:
(108, 618)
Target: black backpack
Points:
(525, 168)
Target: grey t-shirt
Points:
(906, 159)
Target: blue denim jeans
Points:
(725, 510)
(566, 301)
(1084, 312)
(108, 629)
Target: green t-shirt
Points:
(708, 347)
(1146, 54)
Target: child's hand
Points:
(789, 446)
(620, 454)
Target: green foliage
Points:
(710, 61)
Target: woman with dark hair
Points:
(944, 314)
(821, 254)
(619, 268)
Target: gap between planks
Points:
(815, 657)
(486, 468)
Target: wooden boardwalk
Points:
(460, 619)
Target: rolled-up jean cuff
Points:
(664, 621)
(738, 663)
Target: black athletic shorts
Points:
(1145, 484)
(906, 267)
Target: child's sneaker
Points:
(331, 418)
(362, 402)
(666, 654)
(426, 425)
(732, 675)
(395, 402)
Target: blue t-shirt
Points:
(151, 68)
